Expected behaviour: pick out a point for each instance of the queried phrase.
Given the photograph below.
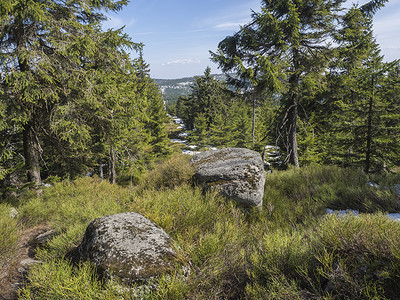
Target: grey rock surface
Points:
(127, 246)
(42, 238)
(237, 173)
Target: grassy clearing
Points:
(290, 250)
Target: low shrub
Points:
(340, 258)
(58, 279)
(171, 173)
(298, 195)
(289, 250)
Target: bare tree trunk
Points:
(253, 129)
(112, 173)
(293, 111)
(369, 130)
(32, 154)
(292, 136)
(100, 166)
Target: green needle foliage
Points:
(363, 116)
(284, 48)
(71, 99)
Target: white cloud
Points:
(117, 22)
(183, 61)
(229, 18)
(230, 25)
(144, 33)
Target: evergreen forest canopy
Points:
(308, 76)
(72, 100)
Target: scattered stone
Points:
(26, 264)
(190, 152)
(42, 238)
(373, 184)
(127, 246)
(237, 173)
(13, 213)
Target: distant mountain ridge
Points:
(172, 89)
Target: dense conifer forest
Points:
(307, 77)
(85, 132)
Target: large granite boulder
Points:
(236, 172)
(127, 246)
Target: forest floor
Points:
(13, 271)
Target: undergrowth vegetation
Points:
(289, 250)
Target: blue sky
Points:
(178, 34)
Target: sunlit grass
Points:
(289, 250)
(9, 232)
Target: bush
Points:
(171, 173)
(342, 257)
(289, 250)
(60, 280)
(298, 195)
(359, 256)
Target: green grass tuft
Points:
(9, 233)
(289, 250)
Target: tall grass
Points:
(341, 258)
(9, 233)
(289, 250)
(298, 195)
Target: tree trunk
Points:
(112, 173)
(369, 129)
(292, 135)
(253, 129)
(293, 111)
(32, 154)
(100, 166)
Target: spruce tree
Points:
(283, 48)
(360, 80)
(43, 47)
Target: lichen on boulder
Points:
(237, 173)
(127, 246)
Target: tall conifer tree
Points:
(43, 47)
(361, 81)
(284, 47)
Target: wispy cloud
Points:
(117, 22)
(144, 33)
(183, 61)
(230, 18)
(230, 25)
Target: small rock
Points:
(43, 238)
(13, 213)
(373, 184)
(27, 263)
